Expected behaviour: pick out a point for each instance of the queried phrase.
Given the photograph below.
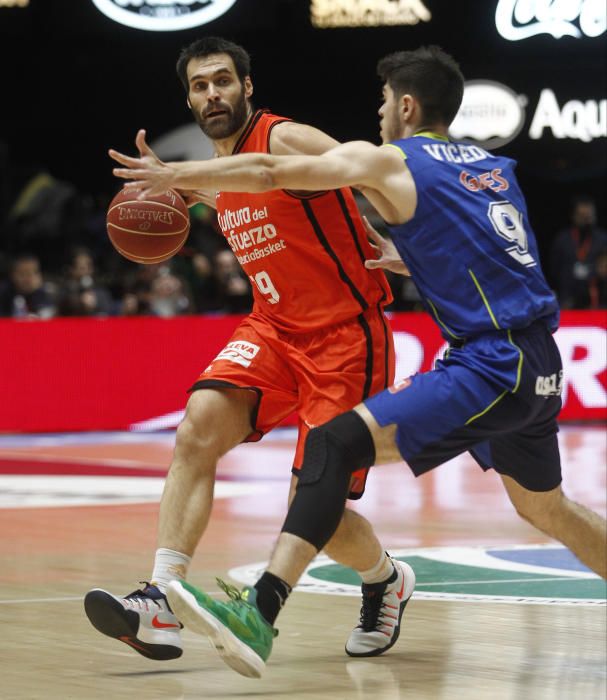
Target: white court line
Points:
(66, 599)
(493, 582)
(41, 600)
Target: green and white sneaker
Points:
(236, 628)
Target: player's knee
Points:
(205, 430)
(344, 443)
(540, 508)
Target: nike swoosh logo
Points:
(162, 625)
(399, 595)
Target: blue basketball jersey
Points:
(469, 247)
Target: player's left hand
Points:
(147, 173)
(388, 257)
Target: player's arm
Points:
(291, 138)
(358, 163)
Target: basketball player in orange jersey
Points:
(316, 342)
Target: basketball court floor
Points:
(499, 612)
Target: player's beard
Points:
(224, 126)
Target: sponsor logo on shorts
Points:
(549, 386)
(240, 352)
(400, 385)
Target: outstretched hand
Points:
(146, 173)
(388, 257)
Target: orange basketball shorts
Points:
(317, 375)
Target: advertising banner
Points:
(133, 374)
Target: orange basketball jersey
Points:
(304, 254)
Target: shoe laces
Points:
(231, 591)
(141, 598)
(372, 606)
(237, 597)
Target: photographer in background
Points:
(574, 255)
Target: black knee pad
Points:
(344, 442)
(332, 452)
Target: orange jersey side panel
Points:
(304, 255)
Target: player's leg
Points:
(352, 439)
(238, 628)
(424, 420)
(580, 529)
(528, 459)
(215, 421)
(339, 368)
(220, 414)
(387, 584)
(354, 544)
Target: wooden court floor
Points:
(78, 512)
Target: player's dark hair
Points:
(430, 75)
(208, 46)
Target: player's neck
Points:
(433, 130)
(225, 147)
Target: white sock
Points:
(380, 572)
(168, 566)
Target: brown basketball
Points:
(150, 230)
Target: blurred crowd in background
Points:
(56, 260)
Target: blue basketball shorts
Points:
(497, 396)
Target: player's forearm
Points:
(257, 172)
(248, 172)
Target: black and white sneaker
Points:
(142, 619)
(382, 609)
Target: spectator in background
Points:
(81, 294)
(136, 299)
(599, 281)
(234, 288)
(168, 296)
(46, 217)
(194, 263)
(26, 294)
(574, 255)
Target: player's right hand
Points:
(388, 257)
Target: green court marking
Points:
(437, 577)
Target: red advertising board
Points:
(118, 374)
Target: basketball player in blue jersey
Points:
(459, 221)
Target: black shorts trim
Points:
(369, 361)
(256, 434)
(384, 321)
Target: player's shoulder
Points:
(294, 138)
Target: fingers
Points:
(371, 232)
(130, 174)
(142, 145)
(124, 160)
(139, 172)
(372, 264)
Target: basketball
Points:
(150, 230)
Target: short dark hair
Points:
(208, 46)
(430, 75)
